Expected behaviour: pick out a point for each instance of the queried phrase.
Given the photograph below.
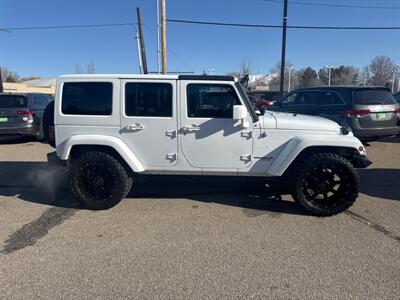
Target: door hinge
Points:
(171, 133)
(245, 157)
(171, 156)
(246, 134)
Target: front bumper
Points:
(361, 161)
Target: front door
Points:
(210, 138)
(149, 121)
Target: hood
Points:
(290, 121)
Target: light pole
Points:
(210, 71)
(394, 78)
(398, 84)
(290, 74)
(329, 74)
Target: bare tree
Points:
(91, 69)
(9, 76)
(276, 70)
(339, 76)
(245, 69)
(78, 69)
(381, 68)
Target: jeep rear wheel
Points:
(98, 180)
(326, 184)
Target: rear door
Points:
(331, 106)
(149, 121)
(14, 110)
(377, 108)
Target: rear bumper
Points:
(375, 132)
(361, 161)
(18, 130)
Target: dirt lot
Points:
(174, 240)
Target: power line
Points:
(289, 26)
(170, 50)
(67, 26)
(335, 5)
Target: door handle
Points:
(134, 127)
(245, 157)
(189, 129)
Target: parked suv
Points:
(111, 128)
(368, 112)
(21, 114)
(397, 97)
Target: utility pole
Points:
(142, 49)
(139, 54)
(164, 37)
(283, 58)
(158, 38)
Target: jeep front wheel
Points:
(325, 184)
(98, 180)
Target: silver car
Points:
(21, 114)
(369, 112)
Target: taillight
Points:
(25, 112)
(397, 110)
(357, 112)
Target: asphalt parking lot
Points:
(174, 240)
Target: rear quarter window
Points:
(13, 101)
(373, 97)
(87, 98)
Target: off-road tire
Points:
(98, 180)
(318, 172)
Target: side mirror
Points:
(240, 114)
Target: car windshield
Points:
(9, 101)
(373, 97)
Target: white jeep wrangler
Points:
(110, 127)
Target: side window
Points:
(87, 98)
(211, 100)
(148, 99)
(307, 98)
(39, 100)
(329, 98)
(289, 100)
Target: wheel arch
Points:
(77, 145)
(298, 148)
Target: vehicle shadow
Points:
(43, 183)
(8, 140)
(392, 139)
(380, 183)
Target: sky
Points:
(192, 48)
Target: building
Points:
(44, 86)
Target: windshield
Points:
(11, 101)
(373, 97)
(247, 101)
